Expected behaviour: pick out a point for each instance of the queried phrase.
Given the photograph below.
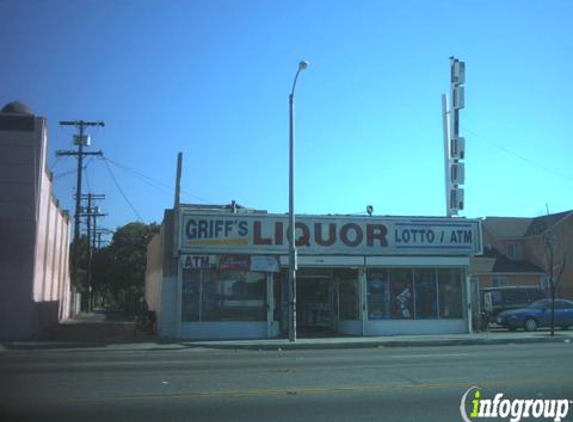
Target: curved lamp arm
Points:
(302, 65)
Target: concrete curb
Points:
(373, 344)
(274, 345)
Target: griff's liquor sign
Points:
(327, 235)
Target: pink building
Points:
(34, 275)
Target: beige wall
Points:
(51, 275)
(490, 240)
(161, 277)
(154, 271)
(34, 277)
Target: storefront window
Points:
(348, 299)
(214, 295)
(191, 294)
(426, 294)
(450, 293)
(401, 305)
(378, 295)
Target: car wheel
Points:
(530, 324)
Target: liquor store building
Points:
(217, 274)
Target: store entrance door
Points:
(317, 303)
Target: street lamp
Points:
(292, 264)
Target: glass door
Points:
(334, 304)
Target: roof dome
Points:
(16, 107)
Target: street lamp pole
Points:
(292, 261)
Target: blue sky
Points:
(211, 79)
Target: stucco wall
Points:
(161, 273)
(154, 272)
(34, 279)
(51, 275)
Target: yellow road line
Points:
(319, 390)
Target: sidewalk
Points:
(130, 343)
(389, 341)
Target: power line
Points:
(121, 190)
(521, 157)
(65, 173)
(154, 182)
(54, 164)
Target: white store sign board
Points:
(226, 233)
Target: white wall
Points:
(416, 326)
(351, 327)
(223, 330)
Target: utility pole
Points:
(177, 200)
(81, 140)
(91, 213)
(99, 240)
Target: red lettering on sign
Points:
(331, 234)
(376, 232)
(258, 238)
(278, 233)
(303, 240)
(357, 238)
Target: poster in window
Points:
(265, 263)
(235, 263)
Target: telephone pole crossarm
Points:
(76, 153)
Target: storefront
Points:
(356, 275)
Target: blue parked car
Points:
(538, 314)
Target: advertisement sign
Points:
(235, 263)
(265, 263)
(201, 232)
(257, 263)
(189, 262)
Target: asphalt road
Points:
(382, 384)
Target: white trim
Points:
(325, 261)
(506, 274)
(407, 261)
(378, 261)
(350, 326)
(219, 330)
(417, 326)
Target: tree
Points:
(557, 260)
(83, 246)
(119, 269)
(102, 264)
